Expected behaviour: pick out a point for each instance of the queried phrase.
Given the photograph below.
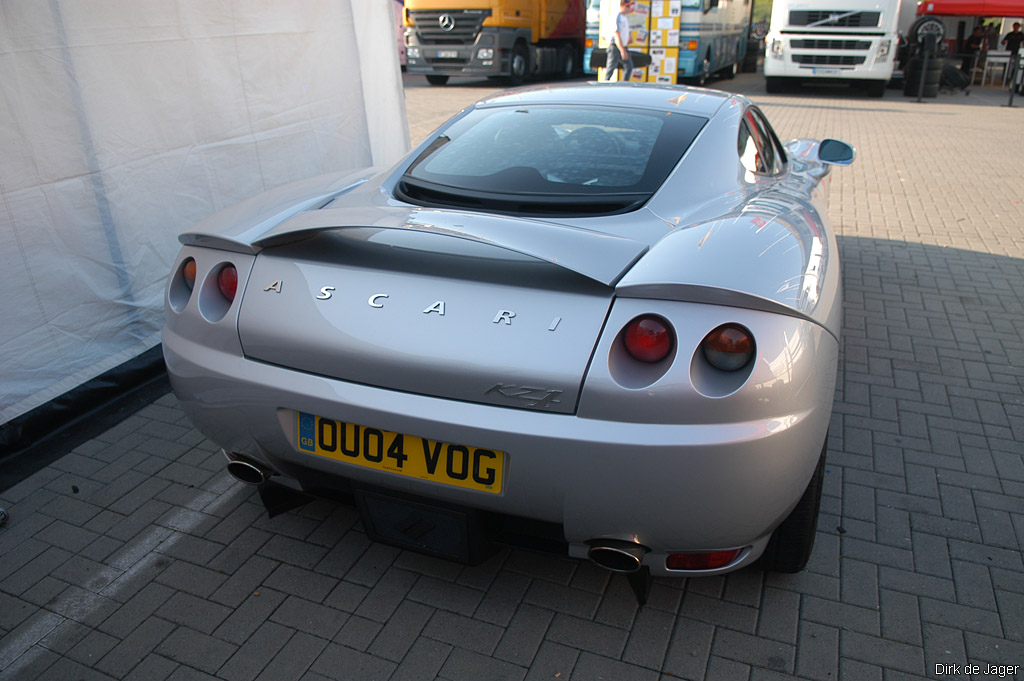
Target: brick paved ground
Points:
(136, 557)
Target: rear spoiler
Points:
(601, 257)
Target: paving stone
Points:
(466, 665)
(524, 635)
(256, 653)
(249, 616)
(402, 632)
(463, 632)
(339, 662)
(195, 649)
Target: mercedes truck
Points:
(508, 39)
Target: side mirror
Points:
(835, 152)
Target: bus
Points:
(712, 38)
(593, 33)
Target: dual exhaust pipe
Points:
(615, 555)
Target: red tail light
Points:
(708, 560)
(730, 347)
(188, 273)
(649, 339)
(227, 281)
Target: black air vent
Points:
(827, 60)
(843, 18)
(823, 44)
(432, 26)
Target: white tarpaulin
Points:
(123, 122)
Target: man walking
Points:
(618, 43)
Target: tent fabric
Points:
(972, 8)
(124, 122)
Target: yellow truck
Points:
(508, 39)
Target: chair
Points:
(996, 64)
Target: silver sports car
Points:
(603, 317)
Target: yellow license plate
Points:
(416, 457)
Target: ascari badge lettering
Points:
(439, 308)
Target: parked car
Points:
(603, 316)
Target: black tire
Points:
(705, 71)
(520, 65)
(730, 71)
(753, 52)
(567, 62)
(790, 545)
(876, 88)
(437, 80)
(932, 76)
(925, 25)
(774, 84)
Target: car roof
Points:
(675, 98)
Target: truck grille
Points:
(822, 44)
(855, 20)
(827, 59)
(465, 25)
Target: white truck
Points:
(851, 40)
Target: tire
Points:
(520, 64)
(774, 85)
(876, 88)
(705, 71)
(790, 545)
(932, 77)
(437, 80)
(566, 62)
(925, 25)
(730, 71)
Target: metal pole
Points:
(924, 70)
(1014, 67)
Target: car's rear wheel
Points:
(790, 546)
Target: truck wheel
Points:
(790, 546)
(876, 88)
(730, 71)
(705, 71)
(566, 62)
(774, 84)
(437, 80)
(520, 64)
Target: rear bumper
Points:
(671, 487)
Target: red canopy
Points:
(972, 8)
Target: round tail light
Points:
(227, 282)
(730, 347)
(648, 339)
(188, 273)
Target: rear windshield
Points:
(550, 159)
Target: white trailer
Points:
(851, 40)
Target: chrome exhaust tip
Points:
(617, 555)
(247, 472)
